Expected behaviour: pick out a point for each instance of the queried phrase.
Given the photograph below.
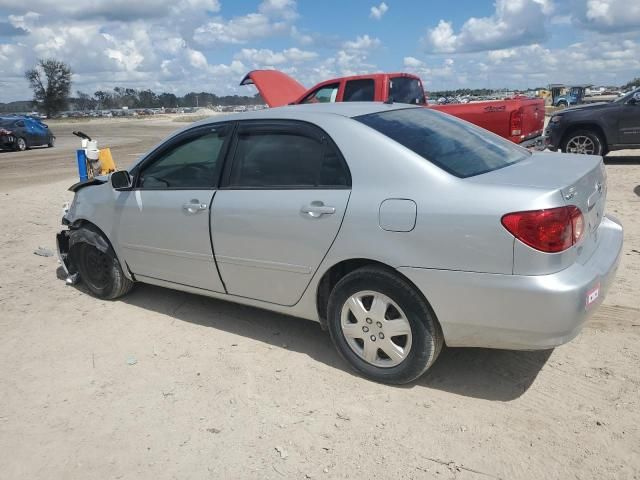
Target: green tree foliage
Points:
(50, 81)
(633, 83)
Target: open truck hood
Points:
(276, 88)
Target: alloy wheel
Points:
(22, 145)
(376, 329)
(581, 144)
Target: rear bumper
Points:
(535, 143)
(7, 141)
(516, 311)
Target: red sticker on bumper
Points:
(592, 295)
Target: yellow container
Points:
(107, 164)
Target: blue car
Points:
(21, 133)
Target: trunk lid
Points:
(276, 88)
(580, 180)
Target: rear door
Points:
(278, 210)
(164, 223)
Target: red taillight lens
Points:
(516, 122)
(551, 230)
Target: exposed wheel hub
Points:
(376, 329)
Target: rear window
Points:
(406, 90)
(359, 91)
(457, 147)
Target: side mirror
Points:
(635, 99)
(121, 180)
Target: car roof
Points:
(311, 111)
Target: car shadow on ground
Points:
(622, 160)
(473, 372)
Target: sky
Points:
(208, 45)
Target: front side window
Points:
(457, 147)
(359, 91)
(326, 94)
(286, 160)
(406, 90)
(193, 163)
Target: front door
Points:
(278, 210)
(164, 224)
(629, 122)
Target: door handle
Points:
(194, 206)
(316, 209)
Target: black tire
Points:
(101, 272)
(21, 144)
(52, 142)
(570, 142)
(562, 104)
(426, 335)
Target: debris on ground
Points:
(43, 252)
(283, 453)
(132, 361)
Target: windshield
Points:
(406, 90)
(627, 96)
(457, 147)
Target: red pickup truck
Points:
(518, 119)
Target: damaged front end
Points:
(67, 239)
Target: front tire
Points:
(101, 272)
(52, 142)
(382, 326)
(584, 142)
(21, 144)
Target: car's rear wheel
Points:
(101, 272)
(584, 142)
(382, 326)
(21, 144)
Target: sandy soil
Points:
(163, 384)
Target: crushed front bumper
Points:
(517, 311)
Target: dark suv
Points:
(598, 128)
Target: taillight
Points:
(516, 122)
(551, 230)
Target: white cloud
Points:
(379, 11)
(412, 62)
(266, 57)
(364, 42)
(273, 17)
(609, 15)
(514, 23)
(113, 10)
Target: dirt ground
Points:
(163, 384)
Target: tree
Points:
(84, 101)
(633, 83)
(50, 81)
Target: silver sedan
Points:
(400, 229)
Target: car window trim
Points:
(297, 127)
(162, 149)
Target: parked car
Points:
(598, 128)
(520, 120)
(400, 229)
(21, 133)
